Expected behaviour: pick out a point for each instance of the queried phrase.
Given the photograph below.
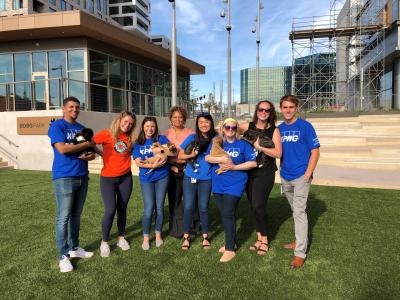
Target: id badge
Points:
(193, 180)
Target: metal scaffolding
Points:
(338, 60)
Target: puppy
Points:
(85, 135)
(217, 150)
(160, 153)
(251, 136)
(193, 146)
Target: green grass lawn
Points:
(354, 252)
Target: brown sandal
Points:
(207, 245)
(185, 247)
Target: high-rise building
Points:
(132, 15)
(274, 83)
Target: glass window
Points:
(147, 80)
(63, 5)
(98, 68)
(23, 96)
(2, 5)
(17, 4)
(124, 21)
(22, 67)
(91, 6)
(105, 10)
(77, 88)
(56, 92)
(117, 72)
(133, 80)
(98, 98)
(128, 9)
(117, 101)
(75, 60)
(53, 2)
(39, 62)
(6, 68)
(114, 10)
(57, 64)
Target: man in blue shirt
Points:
(70, 178)
(300, 154)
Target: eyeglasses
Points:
(227, 127)
(264, 110)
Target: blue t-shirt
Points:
(66, 165)
(232, 182)
(298, 139)
(144, 151)
(204, 169)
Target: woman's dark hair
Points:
(205, 141)
(179, 109)
(272, 113)
(142, 137)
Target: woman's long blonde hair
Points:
(116, 131)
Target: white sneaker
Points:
(81, 253)
(104, 249)
(123, 244)
(65, 265)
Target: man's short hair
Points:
(69, 99)
(290, 98)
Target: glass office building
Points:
(105, 67)
(274, 83)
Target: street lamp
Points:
(173, 56)
(228, 29)
(257, 30)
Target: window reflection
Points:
(22, 67)
(39, 62)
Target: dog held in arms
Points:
(251, 136)
(85, 135)
(217, 150)
(193, 146)
(160, 153)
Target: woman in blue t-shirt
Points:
(228, 186)
(197, 178)
(153, 184)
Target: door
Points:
(40, 91)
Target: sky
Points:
(202, 37)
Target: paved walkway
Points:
(352, 177)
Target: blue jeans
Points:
(70, 197)
(153, 194)
(227, 205)
(199, 191)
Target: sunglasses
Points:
(227, 127)
(264, 110)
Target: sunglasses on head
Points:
(227, 127)
(264, 110)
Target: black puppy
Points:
(193, 146)
(85, 135)
(251, 136)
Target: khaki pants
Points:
(296, 192)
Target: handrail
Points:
(9, 141)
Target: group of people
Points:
(188, 177)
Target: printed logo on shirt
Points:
(145, 150)
(290, 136)
(232, 152)
(315, 142)
(120, 146)
(71, 134)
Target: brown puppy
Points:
(217, 150)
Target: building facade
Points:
(314, 79)
(275, 82)
(73, 53)
(132, 15)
